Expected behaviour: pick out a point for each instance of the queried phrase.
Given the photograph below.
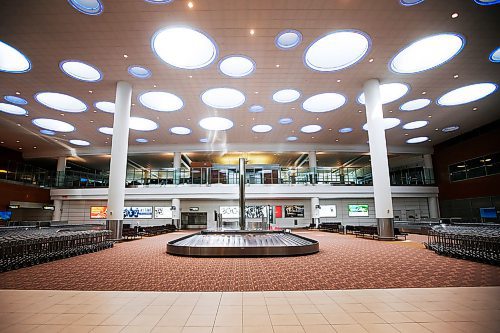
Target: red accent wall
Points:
(14, 192)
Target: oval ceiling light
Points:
(487, 2)
(216, 123)
(223, 98)
(139, 71)
(415, 104)
(203, 140)
(427, 53)
(47, 132)
(15, 100)
(415, 124)
(184, 47)
(292, 138)
(417, 139)
(12, 109)
(104, 106)
(60, 102)
(53, 125)
(389, 92)
(89, 7)
(179, 130)
(311, 129)
(450, 128)
(142, 124)
(345, 130)
(256, 108)
(12, 60)
(161, 101)
(410, 2)
(337, 50)
(80, 71)
(159, 2)
(106, 130)
(79, 142)
(285, 121)
(286, 96)
(388, 123)
(467, 94)
(324, 102)
(141, 140)
(237, 66)
(262, 128)
(288, 39)
(495, 55)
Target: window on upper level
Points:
(486, 165)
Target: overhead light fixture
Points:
(15, 100)
(324, 102)
(60, 102)
(106, 130)
(345, 130)
(455, 76)
(190, 5)
(419, 139)
(139, 71)
(286, 96)
(495, 55)
(223, 98)
(47, 132)
(12, 109)
(104, 106)
(256, 108)
(454, 15)
(203, 140)
(12, 60)
(142, 124)
(450, 128)
(292, 138)
(467, 94)
(160, 1)
(487, 2)
(389, 92)
(388, 123)
(285, 121)
(216, 123)
(141, 140)
(415, 104)
(288, 39)
(161, 101)
(88, 7)
(237, 66)
(252, 32)
(410, 2)
(311, 128)
(179, 130)
(53, 125)
(262, 128)
(80, 70)
(415, 124)
(79, 142)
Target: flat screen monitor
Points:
(5, 216)
(488, 213)
(328, 211)
(294, 211)
(358, 210)
(163, 212)
(137, 212)
(98, 212)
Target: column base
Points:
(116, 227)
(385, 228)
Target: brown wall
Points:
(14, 192)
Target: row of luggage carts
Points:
(27, 247)
(480, 243)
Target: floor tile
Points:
(284, 320)
(318, 329)
(352, 328)
(410, 328)
(288, 329)
(311, 319)
(258, 329)
(379, 328)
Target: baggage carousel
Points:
(242, 244)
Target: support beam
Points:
(315, 211)
(176, 213)
(61, 169)
(242, 194)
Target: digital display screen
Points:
(488, 213)
(163, 213)
(294, 211)
(358, 210)
(230, 212)
(5, 216)
(138, 212)
(328, 211)
(98, 212)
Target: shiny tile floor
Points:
(473, 310)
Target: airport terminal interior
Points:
(249, 166)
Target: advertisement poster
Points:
(358, 210)
(294, 211)
(255, 212)
(98, 212)
(278, 211)
(138, 212)
(230, 212)
(163, 212)
(328, 211)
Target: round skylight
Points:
(61, 102)
(310, 129)
(184, 47)
(337, 50)
(12, 61)
(417, 139)
(286, 96)
(237, 66)
(223, 98)
(105, 106)
(179, 130)
(216, 123)
(203, 140)
(47, 132)
(139, 71)
(389, 92)
(415, 124)
(324, 102)
(262, 128)
(141, 140)
(53, 125)
(80, 70)
(79, 142)
(495, 55)
(450, 128)
(286, 121)
(467, 94)
(292, 138)
(388, 123)
(345, 130)
(256, 108)
(288, 39)
(12, 109)
(106, 130)
(142, 124)
(89, 7)
(415, 104)
(410, 2)
(16, 100)
(161, 101)
(427, 53)
(487, 2)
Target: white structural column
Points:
(118, 166)
(379, 162)
(429, 178)
(176, 213)
(433, 207)
(177, 167)
(312, 167)
(315, 211)
(61, 168)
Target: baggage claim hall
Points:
(249, 166)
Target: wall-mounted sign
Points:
(278, 211)
(194, 209)
(255, 212)
(137, 212)
(163, 212)
(98, 212)
(230, 212)
(294, 211)
(358, 210)
(328, 211)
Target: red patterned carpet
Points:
(344, 262)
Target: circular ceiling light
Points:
(47, 132)
(12, 109)
(389, 92)
(237, 66)
(450, 128)
(106, 130)
(89, 7)
(310, 129)
(158, 1)
(142, 124)
(139, 71)
(345, 130)
(495, 55)
(203, 140)
(467, 94)
(288, 39)
(324, 102)
(80, 71)
(286, 96)
(108, 107)
(388, 123)
(79, 142)
(337, 50)
(13, 61)
(262, 128)
(487, 2)
(60, 102)
(16, 100)
(415, 104)
(427, 53)
(223, 98)
(216, 123)
(256, 108)
(184, 47)
(161, 101)
(141, 140)
(417, 139)
(179, 130)
(415, 124)
(285, 121)
(292, 138)
(53, 125)
(410, 2)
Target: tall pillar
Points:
(312, 167)
(177, 167)
(56, 215)
(242, 183)
(176, 213)
(60, 173)
(428, 169)
(379, 162)
(433, 207)
(315, 211)
(118, 165)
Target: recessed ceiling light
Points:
(223, 98)
(256, 92)
(291, 138)
(106, 130)
(262, 128)
(338, 81)
(487, 2)
(216, 123)
(337, 50)
(80, 70)
(60, 102)
(429, 116)
(15, 100)
(474, 109)
(455, 76)
(495, 55)
(184, 47)
(190, 76)
(53, 125)
(370, 60)
(410, 2)
(17, 141)
(389, 92)
(427, 53)
(388, 123)
(256, 108)
(424, 92)
(203, 140)
(454, 15)
(161, 101)
(288, 39)
(142, 124)
(450, 128)
(324, 102)
(417, 139)
(159, 1)
(345, 130)
(34, 147)
(467, 94)
(12, 109)
(104, 106)
(277, 65)
(12, 60)
(89, 7)
(179, 130)
(125, 56)
(20, 148)
(360, 111)
(79, 142)
(285, 121)
(252, 32)
(311, 129)
(141, 140)
(139, 71)
(190, 4)
(47, 132)
(237, 66)
(286, 95)
(415, 124)
(415, 104)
